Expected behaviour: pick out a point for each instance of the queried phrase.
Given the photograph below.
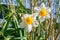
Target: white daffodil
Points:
(2, 22)
(43, 12)
(29, 21)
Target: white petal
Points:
(47, 16)
(36, 8)
(2, 22)
(29, 28)
(48, 9)
(26, 15)
(35, 24)
(42, 5)
(34, 15)
(41, 19)
(22, 25)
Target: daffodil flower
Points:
(43, 12)
(29, 21)
(2, 22)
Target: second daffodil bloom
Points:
(29, 21)
(43, 12)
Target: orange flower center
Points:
(43, 12)
(28, 20)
